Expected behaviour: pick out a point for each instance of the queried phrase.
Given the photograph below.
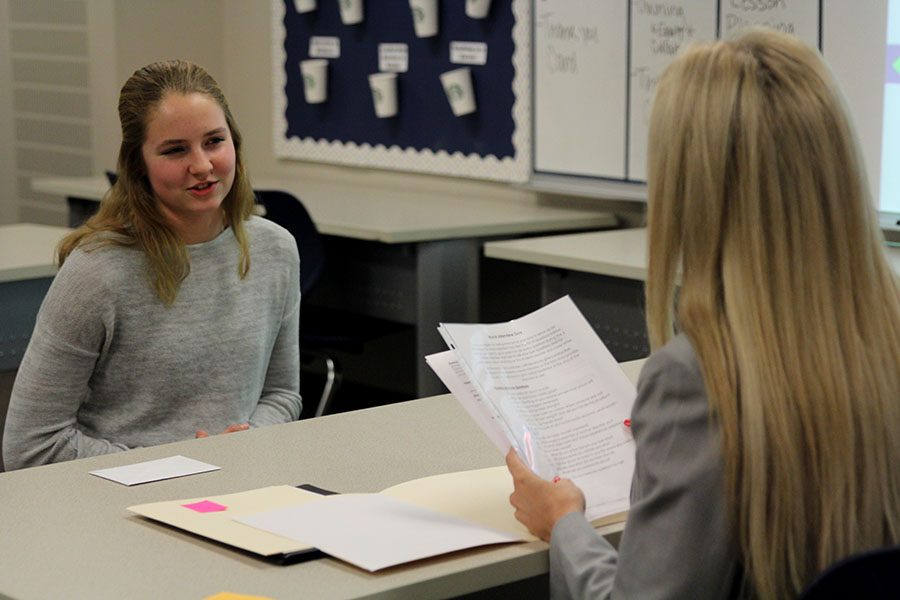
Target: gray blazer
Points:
(676, 543)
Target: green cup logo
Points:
(309, 81)
(376, 93)
(455, 91)
(418, 14)
(347, 4)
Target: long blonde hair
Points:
(128, 214)
(756, 189)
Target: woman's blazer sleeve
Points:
(676, 542)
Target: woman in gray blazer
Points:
(764, 429)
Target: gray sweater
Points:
(110, 367)
(677, 542)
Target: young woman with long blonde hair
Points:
(766, 418)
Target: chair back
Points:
(874, 574)
(286, 210)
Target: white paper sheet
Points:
(373, 531)
(155, 470)
(446, 366)
(560, 393)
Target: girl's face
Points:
(190, 161)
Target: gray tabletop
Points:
(66, 534)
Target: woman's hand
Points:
(202, 433)
(540, 504)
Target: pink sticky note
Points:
(205, 506)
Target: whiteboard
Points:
(796, 17)
(658, 33)
(596, 64)
(580, 72)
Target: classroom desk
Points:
(27, 267)
(66, 534)
(603, 271)
(400, 255)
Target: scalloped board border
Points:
(516, 169)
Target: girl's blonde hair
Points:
(757, 191)
(128, 214)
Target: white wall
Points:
(104, 83)
(148, 31)
(47, 102)
(9, 210)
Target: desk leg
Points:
(447, 281)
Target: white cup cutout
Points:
(384, 94)
(315, 80)
(478, 9)
(305, 6)
(351, 11)
(460, 92)
(425, 17)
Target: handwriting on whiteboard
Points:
(565, 41)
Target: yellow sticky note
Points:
(233, 596)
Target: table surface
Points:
(616, 253)
(67, 534)
(27, 250)
(392, 215)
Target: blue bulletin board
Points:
(491, 143)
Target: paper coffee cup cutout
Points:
(478, 9)
(460, 93)
(305, 6)
(425, 17)
(351, 11)
(384, 94)
(315, 80)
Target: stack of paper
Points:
(546, 385)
